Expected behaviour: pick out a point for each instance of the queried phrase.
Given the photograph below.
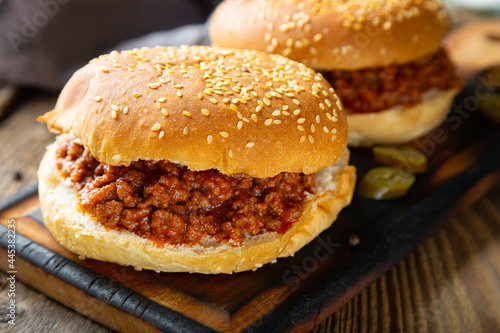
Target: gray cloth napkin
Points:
(42, 42)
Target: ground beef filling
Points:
(380, 88)
(168, 203)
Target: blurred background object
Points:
(474, 46)
(43, 42)
(469, 10)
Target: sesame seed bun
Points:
(235, 111)
(206, 108)
(84, 236)
(327, 35)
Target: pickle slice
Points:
(385, 182)
(406, 158)
(490, 107)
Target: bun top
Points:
(236, 111)
(333, 34)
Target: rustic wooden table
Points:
(451, 283)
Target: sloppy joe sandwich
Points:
(383, 58)
(194, 159)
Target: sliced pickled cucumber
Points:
(385, 182)
(490, 107)
(405, 158)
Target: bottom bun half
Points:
(82, 235)
(400, 125)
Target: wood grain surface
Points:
(448, 284)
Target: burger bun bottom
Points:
(400, 125)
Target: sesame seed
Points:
(277, 121)
(318, 119)
(162, 133)
(254, 117)
(387, 25)
(317, 37)
(268, 122)
(296, 112)
(313, 128)
(258, 108)
(162, 99)
(164, 111)
(104, 69)
(97, 98)
(230, 153)
(153, 85)
(276, 113)
(334, 130)
(156, 127)
(233, 107)
(205, 112)
(301, 128)
(311, 139)
(213, 100)
(116, 158)
(303, 138)
(178, 86)
(179, 93)
(250, 145)
(333, 137)
(114, 114)
(327, 102)
(200, 95)
(115, 107)
(224, 134)
(266, 101)
(239, 115)
(301, 120)
(240, 124)
(209, 139)
(185, 131)
(137, 94)
(186, 113)
(325, 129)
(125, 110)
(296, 101)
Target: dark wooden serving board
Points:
(293, 294)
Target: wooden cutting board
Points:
(293, 294)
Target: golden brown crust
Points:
(207, 108)
(333, 34)
(82, 235)
(399, 125)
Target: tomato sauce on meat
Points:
(168, 203)
(380, 88)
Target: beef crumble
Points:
(380, 88)
(168, 203)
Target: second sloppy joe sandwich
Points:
(383, 58)
(194, 159)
